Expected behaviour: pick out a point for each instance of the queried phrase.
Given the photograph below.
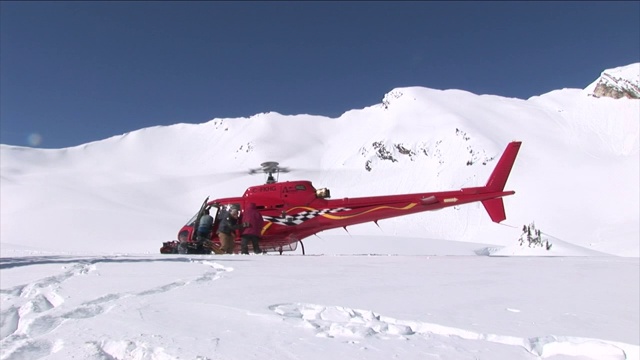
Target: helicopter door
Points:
(195, 223)
(217, 215)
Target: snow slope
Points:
(576, 175)
(81, 277)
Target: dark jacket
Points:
(254, 219)
(206, 221)
(228, 224)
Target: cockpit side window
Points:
(192, 220)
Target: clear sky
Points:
(75, 72)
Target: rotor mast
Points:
(270, 168)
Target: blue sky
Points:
(76, 72)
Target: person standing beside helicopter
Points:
(252, 223)
(204, 226)
(203, 232)
(226, 230)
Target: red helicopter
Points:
(295, 210)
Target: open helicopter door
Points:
(197, 221)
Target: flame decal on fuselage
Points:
(336, 217)
(310, 213)
(302, 216)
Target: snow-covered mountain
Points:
(617, 83)
(576, 176)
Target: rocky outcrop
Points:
(622, 82)
(386, 150)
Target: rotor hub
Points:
(269, 168)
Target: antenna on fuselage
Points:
(270, 168)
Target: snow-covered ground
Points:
(57, 306)
(81, 275)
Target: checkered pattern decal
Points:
(299, 218)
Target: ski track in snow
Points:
(353, 324)
(22, 326)
(38, 310)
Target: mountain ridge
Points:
(417, 139)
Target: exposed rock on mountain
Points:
(621, 82)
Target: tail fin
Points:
(499, 176)
(495, 209)
(497, 181)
